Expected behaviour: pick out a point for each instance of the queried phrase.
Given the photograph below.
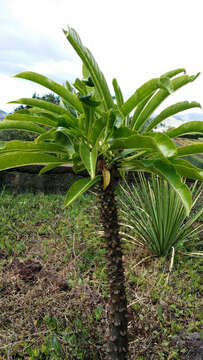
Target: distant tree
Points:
(50, 97)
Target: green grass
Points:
(41, 320)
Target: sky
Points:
(132, 41)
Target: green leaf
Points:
(139, 108)
(187, 170)
(42, 104)
(52, 85)
(97, 129)
(118, 93)
(85, 71)
(73, 132)
(159, 97)
(173, 73)
(21, 125)
(157, 142)
(66, 121)
(80, 86)
(165, 145)
(170, 111)
(167, 170)
(30, 146)
(30, 118)
(138, 165)
(49, 167)
(89, 158)
(34, 111)
(142, 92)
(191, 127)
(78, 188)
(165, 84)
(125, 154)
(197, 148)
(15, 159)
(68, 86)
(92, 67)
(123, 132)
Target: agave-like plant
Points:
(156, 216)
(91, 131)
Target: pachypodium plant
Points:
(91, 131)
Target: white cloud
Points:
(67, 68)
(132, 41)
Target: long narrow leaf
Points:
(89, 158)
(93, 68)
(168, 171)
(141, 93)
(78, 188)
(21, 125)
(30, 118)
(154, 142)
(30, 146)
(165, 145)
(187, 170)
(34, 111)
(191, 127)
(196, 148)
(142, 105)
(42, 104)
(16, 159)
(52, 85)
(160, 96)
(118, 93)
(139, 108)
(137, 165)
(170, 111)
(156, 215)
(50, 167)
(174, 72)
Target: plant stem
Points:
(117, 339)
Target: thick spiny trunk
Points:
(118, 340)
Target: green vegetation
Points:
(23, 135)
(155, 216)
(91, 132)
(41, 319)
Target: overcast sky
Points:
(131, 40)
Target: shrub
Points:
(155, 215)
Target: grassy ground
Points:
(53, 293)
